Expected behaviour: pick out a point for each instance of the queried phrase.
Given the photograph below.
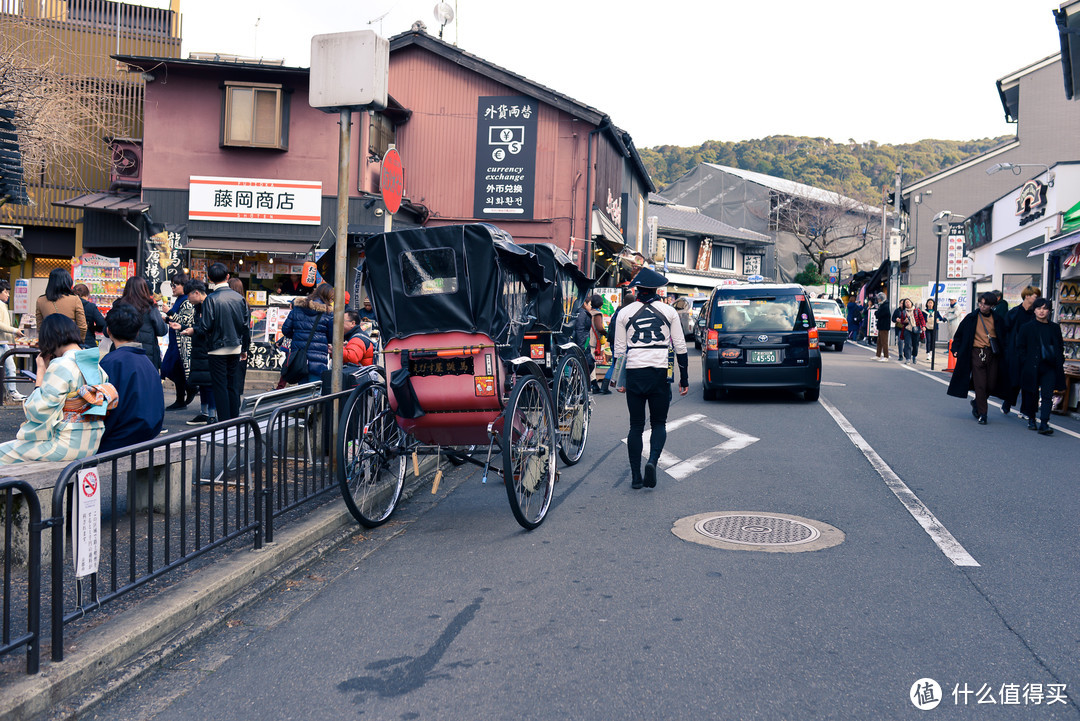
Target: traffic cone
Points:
(951, 364)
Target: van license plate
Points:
(764, 356)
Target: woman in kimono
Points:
(65, 415)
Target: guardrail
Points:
(164, 503)
(299, 446)
(29, 636)
(4, 380)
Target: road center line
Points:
(922, 515)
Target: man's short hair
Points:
(353, 316)
(123, 322)
(217, 273)
(596, 300)
(194, 285)
(4, 285)
(989, 298)
(81, 290)
(1030, 291)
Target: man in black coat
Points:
(224, 322)
(1015, 319)
(978, 367)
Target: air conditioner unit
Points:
(126, 169)
(14, 231)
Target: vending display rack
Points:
(1067, 314)
(105, 277)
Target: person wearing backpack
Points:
(643, 333)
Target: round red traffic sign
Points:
(392, 180)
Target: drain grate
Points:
(756, 530)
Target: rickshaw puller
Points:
(644, 331)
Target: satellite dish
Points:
(444, 14)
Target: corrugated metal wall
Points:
(438, 144)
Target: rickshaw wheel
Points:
(371, 464)
(572, 408)
(528, 446)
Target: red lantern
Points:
(308, 275)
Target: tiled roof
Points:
(691, 220)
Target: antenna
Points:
(443, 15)
(255, 49)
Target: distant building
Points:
(765, 204)
(78, 37)
(697, 252)
(1046, 123)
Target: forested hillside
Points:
(859, 170)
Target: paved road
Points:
(453, 612)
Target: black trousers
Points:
(647, 387)
(225, 380)
(1046, 393)
(984, 371)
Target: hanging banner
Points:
(87, 536)
(166, 255)
(505, 157)
(21, 298)
(955, 259)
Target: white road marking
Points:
(678, 468)
(989, 401)
(922, 515)
(833, 383)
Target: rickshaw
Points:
(550, 343)
(454, 304)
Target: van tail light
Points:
(712, 340)
(813, 339)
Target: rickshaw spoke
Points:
(371, 465)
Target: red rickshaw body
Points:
(459, 377)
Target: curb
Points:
(188, 603)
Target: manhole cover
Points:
(757, 531)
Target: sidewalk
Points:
(145, 626)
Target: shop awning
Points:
(1056, 244)
(237, 245)
(607, 233)
(119, 203)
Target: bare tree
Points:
(61, 118)
(829, 228)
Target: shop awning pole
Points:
(341, 248)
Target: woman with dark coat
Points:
(95, 321)
(1018, 317)
(1041, 349)
(313, 312)
(137, 294)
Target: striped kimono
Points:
(65, 417)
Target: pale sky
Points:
(681, 72)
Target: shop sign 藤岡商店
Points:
(254, 200)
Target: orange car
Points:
(831, 323)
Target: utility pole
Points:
(894, 256)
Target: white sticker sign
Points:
(732, 301)
(87, 537)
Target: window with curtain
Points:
(255, 116)
(723, 257)
(676, 251)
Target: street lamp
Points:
(1018, 168)
(940, 224)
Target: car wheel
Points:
(810, 395)
(838, 347)
(709, 394)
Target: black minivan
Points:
(760, 336)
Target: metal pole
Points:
(936, 295)
(341, 249)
